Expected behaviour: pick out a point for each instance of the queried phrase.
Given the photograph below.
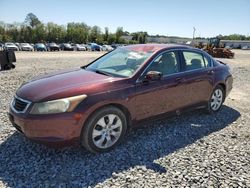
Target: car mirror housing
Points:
(153, 75)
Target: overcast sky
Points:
(172, 18)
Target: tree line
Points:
(234, 37)
(32, 30)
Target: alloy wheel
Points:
(107, 131)
(216, 99)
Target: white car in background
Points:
(79, 47)
(107, 48)
(1, 46)
(10, 46)
(26, 47)
(245, 48)
(228, 47)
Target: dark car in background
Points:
(95, 47)
(97, 103)
(53, 47)
(66, 47)
(40, 47)
(114, 46)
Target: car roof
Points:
(154, 47)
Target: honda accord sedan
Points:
(96, 104)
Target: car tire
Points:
(104, 130)
(216, 99)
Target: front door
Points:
(164, 95)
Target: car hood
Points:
(26, 46)
(11, 45)
(64, 84)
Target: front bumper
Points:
(52, 130)
(26, 49)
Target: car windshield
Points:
(9, 43)
(120, 62)
(40, 45)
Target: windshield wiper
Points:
(84, 67)
(103, 72)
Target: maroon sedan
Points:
(96, 104)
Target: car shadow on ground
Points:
(23, 163)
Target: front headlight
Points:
(57, 106)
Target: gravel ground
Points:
(192, 150)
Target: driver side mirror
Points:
(153, 75)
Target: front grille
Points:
(19, 105)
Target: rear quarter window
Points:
(195, 60)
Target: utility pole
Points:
(194, 29)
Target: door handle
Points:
(210, 72)
(179, 80)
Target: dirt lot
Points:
(193, 150)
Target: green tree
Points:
(118, 34)
(77, 32)
(32, 20)
(95, 34)
(106, 34)
(111, 38)
(140, 37)
(39, 33)
(55, 33)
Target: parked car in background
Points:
(1, 46)
(115, 46)
(88, 46)
(97, 103)
(79, 47)
(10, 46)
(95, 47)
(245, 48)
(228, 47)
(53, 47)
(18, 45)
(66, 47)
(26, 47)
(40, 47)
(107, 48)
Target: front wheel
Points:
(216, 99)
(104, 130)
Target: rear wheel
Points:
(104, 130)
(216, 99)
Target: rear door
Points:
(198, 76)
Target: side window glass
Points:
(193, 60)
(207, 62)
(166, 63)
